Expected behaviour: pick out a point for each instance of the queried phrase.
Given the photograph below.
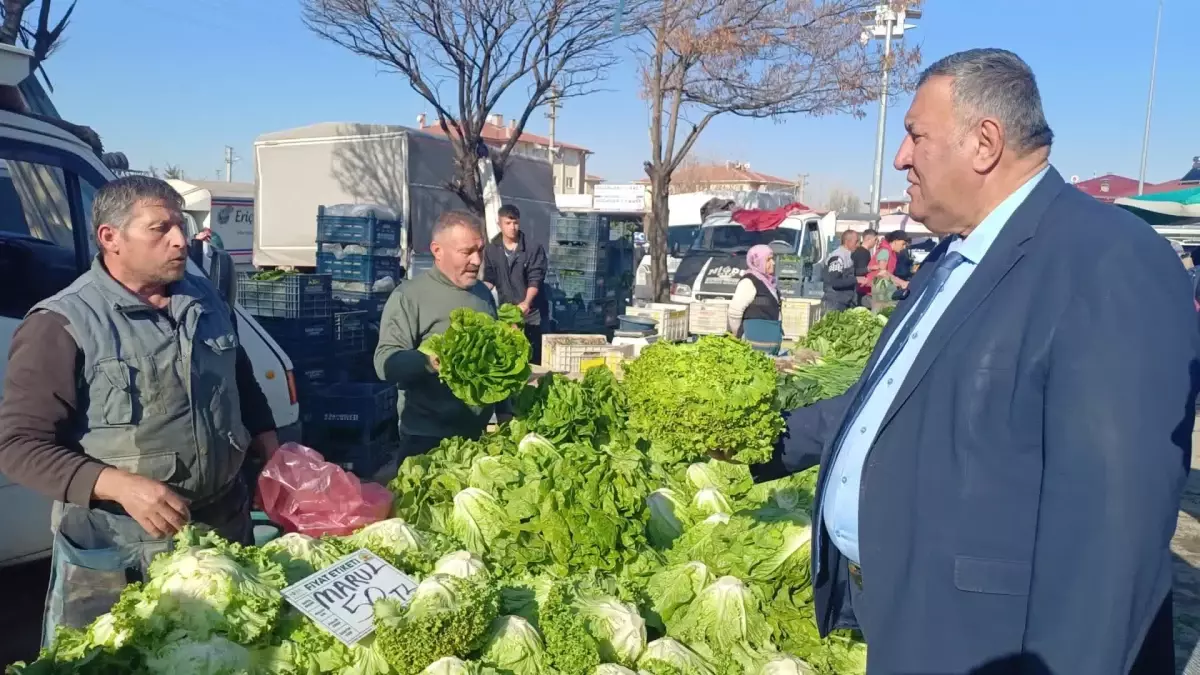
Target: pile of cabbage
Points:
(554, 545)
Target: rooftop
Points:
(496, 132)
(723, 174)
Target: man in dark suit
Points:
(999, 490)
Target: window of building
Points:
(570, 182)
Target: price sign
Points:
(341, 597)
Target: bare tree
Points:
(463, 56)
(749, 58)
(843, 201)
(173, 172)
(40, 37)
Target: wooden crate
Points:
(562, 353)
(710, 317)
(672, 319)
(798, 315)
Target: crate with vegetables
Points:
(592, 534)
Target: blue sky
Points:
(174, 81)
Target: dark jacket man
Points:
(516, 271)
(841, 282)
(1014, 500)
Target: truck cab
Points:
(48, 178)
(715, 262)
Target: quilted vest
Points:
(158, 388)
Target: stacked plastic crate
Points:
(353, 421)
(585, 293)
(297, 311)
(789, 270)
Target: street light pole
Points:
(1150, 102)
(888, 23)
(877, 176)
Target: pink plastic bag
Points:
(303, 493)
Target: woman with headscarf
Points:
(755, 308)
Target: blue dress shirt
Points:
(840, 498)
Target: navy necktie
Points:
(930, 291)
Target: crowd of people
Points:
(996, 494)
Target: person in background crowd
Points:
(419, 308)
(862, 257)
(129, 401)
(515, 270)
(999, 490)
(841, 284)
(754, 309)
(903, 271)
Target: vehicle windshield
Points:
(680, 237)
(736, 239)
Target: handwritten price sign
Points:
(341, 597)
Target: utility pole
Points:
(800, 185)
(1150, 101)
(888, 22)
(229, 160)
(553, 104)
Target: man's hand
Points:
(434, 363)
(203, 235)
(152, 504)
(524, 307)
(265, 444)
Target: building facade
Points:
(569, 165)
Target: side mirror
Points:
(218, 267)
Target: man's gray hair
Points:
(456, 218)
(114, 202)
(996, 83)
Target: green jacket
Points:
(416, 310)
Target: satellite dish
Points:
(1074, 180)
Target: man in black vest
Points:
(515, 271)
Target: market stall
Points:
(595, 533)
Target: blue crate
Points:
(312, 374)
(354, 301)
(350, 332)
(358, 368)
(366, 231)
(362, 459)
(580, 228)
(568, 285)
(301, 339)
(359, 269)
(359, 407)
(293, 296)
(421, 262)
(578, 256)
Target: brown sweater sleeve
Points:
(39, 413)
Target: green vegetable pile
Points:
(691, 399)
(851, 333)
(580, 538)
(483, 360)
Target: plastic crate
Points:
(356, 301)
(789, 267)
(301, 339)
(363, 459)
(710, 317)
(292, 296)
(359, 269)
(672, 319)
(350, 332)
(798, 315)
(584, 287)
(357, 406)
(311, 374)
(591, 229)
(366, 231)
(358, 368)
(419, 263)
(790, 288)
(581, 257)
(563, 353)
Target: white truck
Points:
(225, 208)
(407, 170)
(48, 179)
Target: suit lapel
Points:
(1005, 252)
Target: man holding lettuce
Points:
(429, 411)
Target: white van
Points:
(48, 179)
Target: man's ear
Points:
(106, 238)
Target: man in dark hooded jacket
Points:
(516, 272)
